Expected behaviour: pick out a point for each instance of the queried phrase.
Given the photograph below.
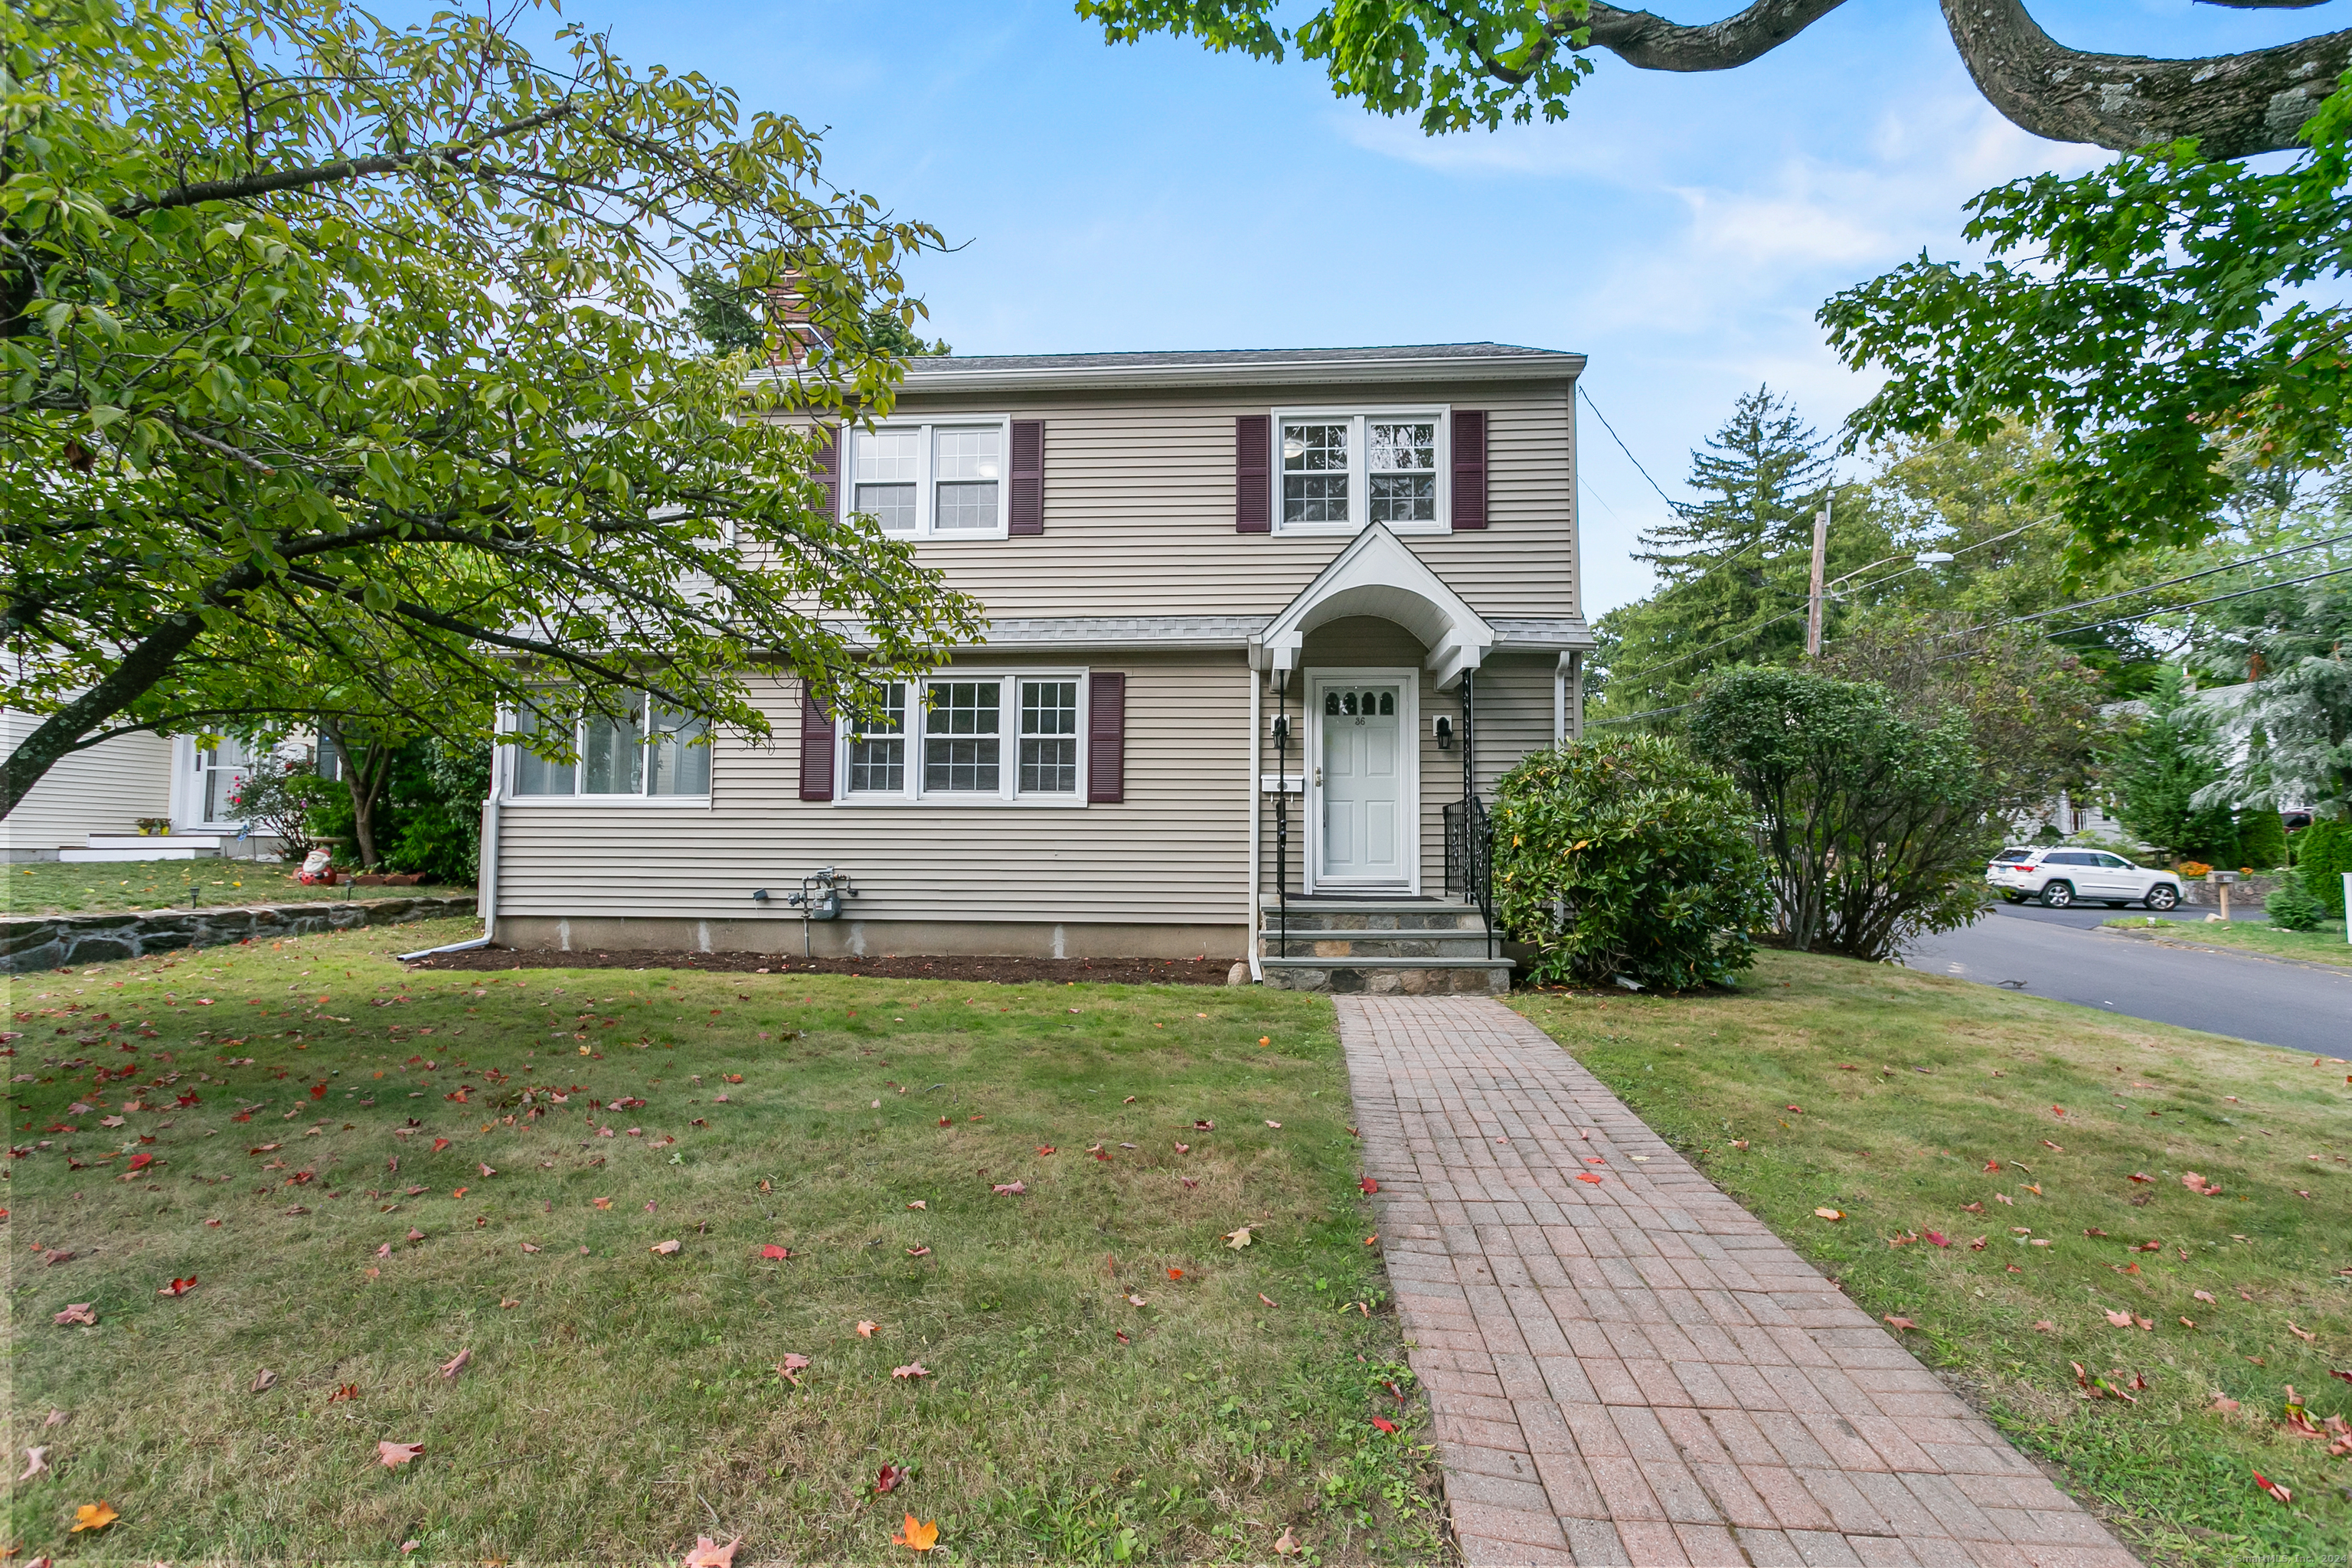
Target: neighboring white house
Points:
(88, 806)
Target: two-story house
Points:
(1260, 621)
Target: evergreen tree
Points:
(1733, 568)
(2156, 767)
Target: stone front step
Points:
(1391, 976)
(1368, 914)
(1343, 943)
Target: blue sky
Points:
(1681, 230)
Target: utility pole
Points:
(1821, 560)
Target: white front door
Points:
(1364, 784)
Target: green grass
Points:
(50, 887)
(619, 1403)
(2326, 945)
(1953, 1077)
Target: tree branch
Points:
(2235, 105)
(1650, 42)
(246, 185)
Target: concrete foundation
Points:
(863, 939)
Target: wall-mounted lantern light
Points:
(1444, 728)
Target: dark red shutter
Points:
(1469, 468)
(1028, 498)
(1106, 738)
(1253, 473)
(829, 473)
(816, 750)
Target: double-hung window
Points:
(1336, 471)
(644, 752)
(971, 739)
(931, 479)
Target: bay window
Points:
(1338, 471)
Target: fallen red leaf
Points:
(457, 1363)
(392, 1456)
(439, 1144)
(709, 1553)
(79, 1313)
(1369, 1184)
(1894, 1323)
(791, 1368)
(773, 1250)
(913, 1369)
(179, 1287)
(887, 1481)
(1385, 1425)
(2272, 1488)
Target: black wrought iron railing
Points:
(1470, 859)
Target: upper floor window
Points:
(1340, 471)
(931, 479)
(618, 756)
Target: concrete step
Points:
(132, 846)
(1391, 976)
(1343, 942)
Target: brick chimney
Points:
(788, 308)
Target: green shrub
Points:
(2323, 854)
(1626, 857)
(2262, 838)
(2291, 907)
(1876, 824)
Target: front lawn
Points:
(368, 1175)
(2326, 945)
(2047, 1147)
(105, 887)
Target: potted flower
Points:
(150, 825)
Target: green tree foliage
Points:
(1875, 826)
(1626, 858)
(425, 813)
(2262, 838)
(2323, 853)
(2289, 739)
(1733, 568)
(2031, 706)
(2151, 314)
(333, 342)
(2155, 766)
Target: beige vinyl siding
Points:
(106, 789)
(1140, 506)
(1175, 851)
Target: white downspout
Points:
(1257, 800)
(486, 898)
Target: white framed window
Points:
(969, 738)
(648, 754)
(943, 478)
(1337, 470)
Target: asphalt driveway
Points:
(2062, 954)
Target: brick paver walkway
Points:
(1636, 1371)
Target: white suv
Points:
(2061, 877)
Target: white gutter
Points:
(1257, 800)
(485, 901)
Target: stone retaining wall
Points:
(29, 943)
(2245, 894)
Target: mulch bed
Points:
(1003, 971)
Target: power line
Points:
(1677, 507)
(2151, 587)
(2087, 625)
